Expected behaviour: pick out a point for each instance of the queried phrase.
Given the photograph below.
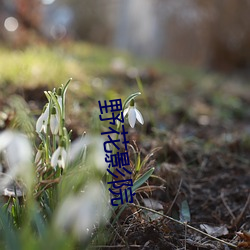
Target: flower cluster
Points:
(52, 151)
(51, 115)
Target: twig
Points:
(239, 217)
(185, 242)
(57, 180)
(227, 207)
(175, 198)
(184, 224)
(48, 185)
(117, 246)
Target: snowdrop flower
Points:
(42, 122)
(59, 157)
(77, 150)
(17, 152)
(96, 154)
(54, 121)
(79, 214)
(133, 114)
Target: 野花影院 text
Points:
(118, 161)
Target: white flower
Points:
(133, 114)
(54, 121)
(94, 146)
(79, 214)
(42, 122)
(59, 157)
(17, 152)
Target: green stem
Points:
(54, 142)
(47, 140)
(63, 100)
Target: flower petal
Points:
(5, 138)
(63, 158)
(79, 214)
(18, 156)
(46, 113)
(54, 124)
(55, 156)
(77, 148)
(44, 127)
(139, 116)
(132, 117)
(61, 163)
(19, 151)
(39, 123)
(125, 112)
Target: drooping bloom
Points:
(79, 214)
(59, 157)
(133, 114)
(17, 152)
(42, 122)
(54, 121)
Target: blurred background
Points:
(186, 52)
(211, 34)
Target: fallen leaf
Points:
(155, 205)
(215, 231)
(245, 236)
(152, 204)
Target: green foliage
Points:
(47, 65)
(34, 64)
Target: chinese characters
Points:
(118, 168)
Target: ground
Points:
(196, 121)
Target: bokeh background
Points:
(212, 34)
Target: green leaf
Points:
(65, 87)
(142, 179)
(139, 84)
(138, 163)
(53, 97)
(10, 236)
(39, 222)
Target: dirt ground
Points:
(202, 166)
(202, 169)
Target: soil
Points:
(204, 164)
